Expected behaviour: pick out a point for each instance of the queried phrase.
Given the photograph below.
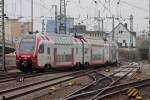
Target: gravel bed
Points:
(12, 84)
(58, 91)
(145, 92)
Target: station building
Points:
(123, 36)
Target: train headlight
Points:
(24, 63)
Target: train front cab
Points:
(25, 57)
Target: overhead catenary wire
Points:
(135, 6)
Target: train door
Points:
(110, 53)
(114, 54)
(48, 56)
(78, 52)
(41, 59)
(86, 54)
(106, 53)
(82, 51)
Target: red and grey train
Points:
(39, 52)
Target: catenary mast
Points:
(62, 27)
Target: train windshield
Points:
(27, 45)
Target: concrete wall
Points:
(10, 62)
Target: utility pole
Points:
(3, 35)
(43, 25)
(99, 21)
(131, 30)
(131, 23)
(149, 31)
(32, 16)
(102, 24)
(149, 21)
(55, 18)
(62, 27)
(113, 25)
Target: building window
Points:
(120, 32)
(124, 41)
(120, 44)
(125, 44)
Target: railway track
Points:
(123, 88)
(12, 76)
(91, 91)
(94, 76)
(30, 88)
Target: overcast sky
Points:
(80, 9)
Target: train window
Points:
(41, 48)
(48, 50)
(76, 50)
(27, 45)
(86, 50)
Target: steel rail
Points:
(113, 83)
(124, 87)
(91, 76)
(83, 89)
(13, 76)
(97, 91)
(72, 76)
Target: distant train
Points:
(39, 52)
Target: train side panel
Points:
(97, 55)
(111, 54)
(64, 51)
(96, 46)
(64, 56)
(87, 55)
(78, 52)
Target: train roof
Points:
(95, 41)
(66, 39)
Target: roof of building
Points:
(94, 32)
